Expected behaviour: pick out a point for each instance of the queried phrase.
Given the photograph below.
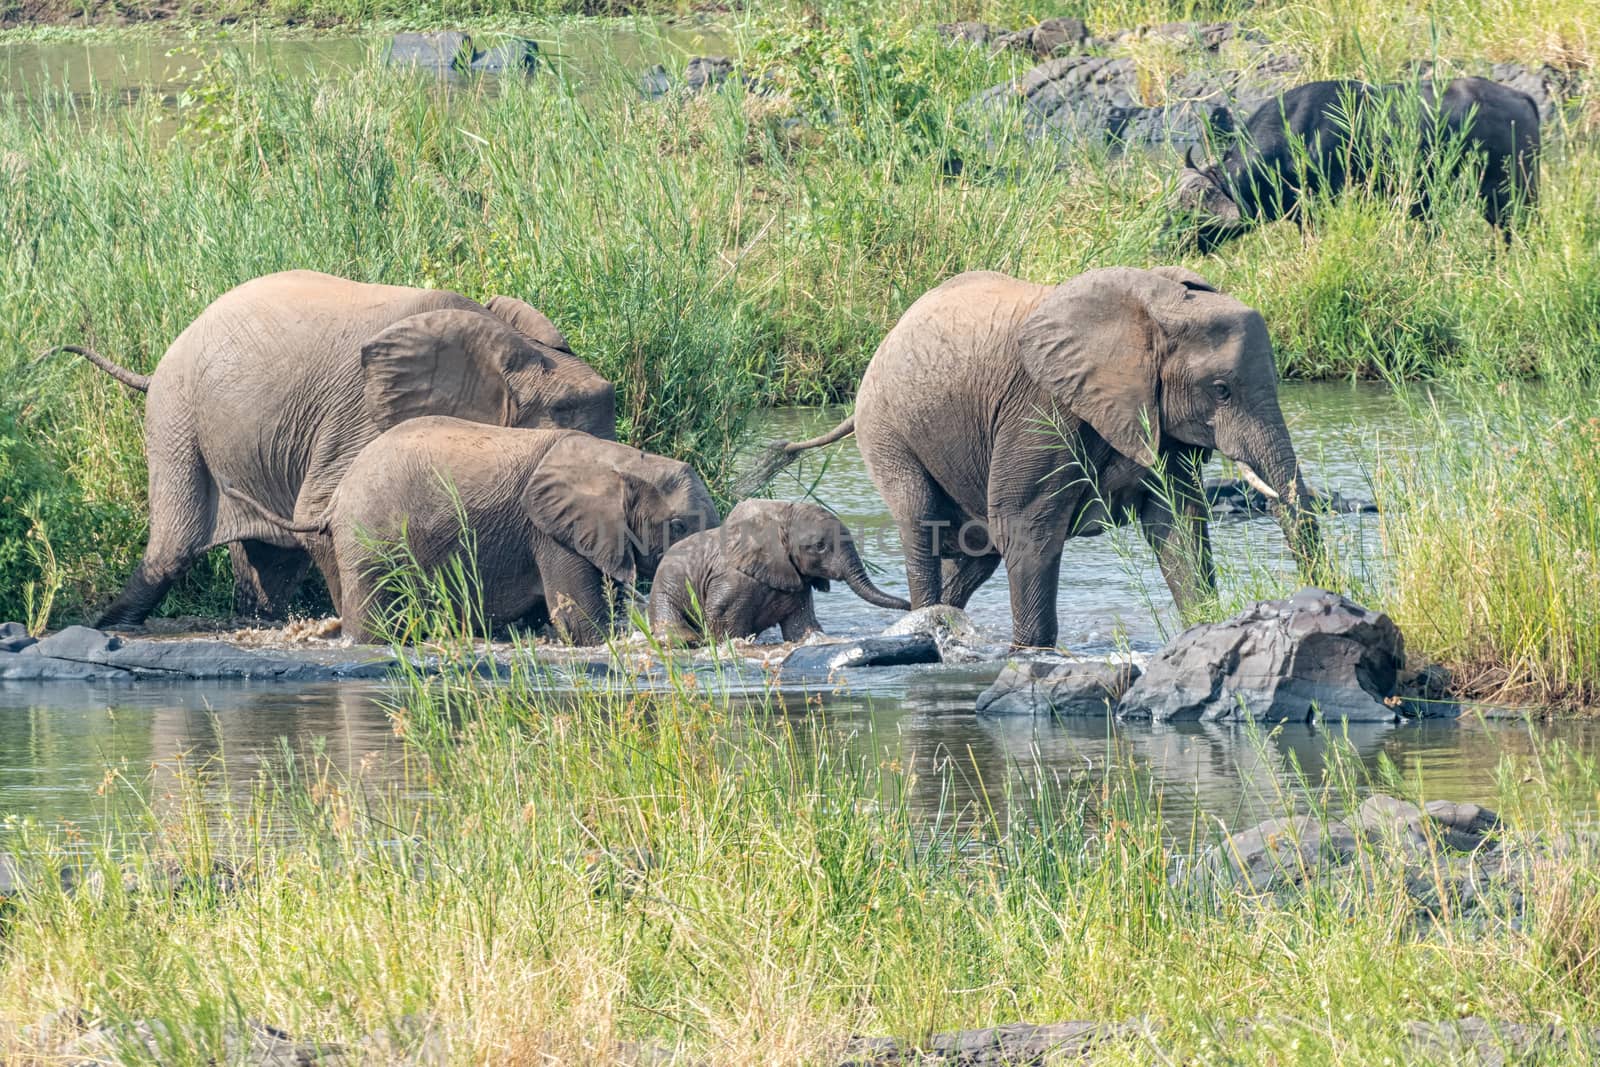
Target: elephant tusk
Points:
(1255, 481)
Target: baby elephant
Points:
(554, 515)
(758, 569)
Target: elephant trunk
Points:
(1282, 474)
(1260, 445)
(854, 574)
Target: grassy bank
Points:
(741, 885)
(707, 254)
(1491, 537)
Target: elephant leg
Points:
(265, 576)
(1035, 579)
(925, 518)
(1182, 540)
(182, 513)
(963, 575)
(801, 621)
(576, 594)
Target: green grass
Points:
(1491, 537)
(745, 883)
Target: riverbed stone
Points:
(1011, 1043)
(1235, 496)
(1315, 654)
(1064, 689)
(81, 643)
(824, 658)
(22, 667)
(14, 637)
(974, 33)
(512, 55)
(255, 1044)
(440, 51)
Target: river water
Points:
(58, 744)
(133, 67)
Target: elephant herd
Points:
(307, 418)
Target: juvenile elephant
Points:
(758, 570)
(999, 417)
(1301, 144)
(276, 387)
(556, 516)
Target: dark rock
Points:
(24, 667)
(1464, 826)
(1235, 496)
(1049, 38)
(1208, 36)
(210, 660)
(1426, 693)
(14, 637)
(1276, 662)
(1550, 88)
(707, 72)
(254, 1045)
(514, 55)
(1494, 1043)
(1285, 851)
(439, 51)
(1014, 1043)
(81, 643)
(978, 33)
(865, 652)
(655, 82)
(958, 637)
(1042, 687)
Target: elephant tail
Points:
(140, 382)
(316, 526)
(780, 454)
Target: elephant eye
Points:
(1220, 389)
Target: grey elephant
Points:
(280, 382)
(557, 518)
(758, 570)
(1000, 417)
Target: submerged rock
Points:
(441, 51)
(1446, 853)
(14, 637)
(451, 52)
(958, 637)
(1042, 687)
(1316, 653)
(84, 654)
(824, 658)
(1235, 496)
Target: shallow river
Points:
(134, 67)
(57, 744)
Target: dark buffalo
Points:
(1304, 144)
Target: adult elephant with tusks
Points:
(1000, 417)
(280, 382)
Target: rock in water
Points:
(1042, 687)
(832, 656)
(514, 55)
(440, 51)
(1278, 661)
(14, 637)
(958, 637)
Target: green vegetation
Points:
(746, 884)
(1491, 539)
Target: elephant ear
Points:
(1186, 278)
(753, 545)
(585, 504)
(450, 362)
(528, 321)
(1095, 343)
